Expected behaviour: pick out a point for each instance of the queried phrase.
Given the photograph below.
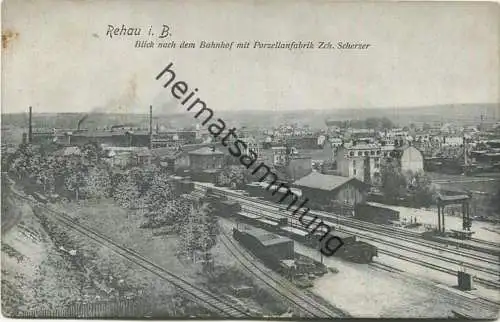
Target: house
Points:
(298, 167)
(327, 189)
(335, 143)
(279, 155)
(206, 158)
(69, 151)
(361, 161)
(411, 159)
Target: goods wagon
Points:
(185, 186)
(226, 208)
(375, 214)
(351, 250)
(258, 221)
(270, 248)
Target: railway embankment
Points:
(34, 274)
(225, 278)
(51, 271)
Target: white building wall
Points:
(412, 160)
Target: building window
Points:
(354, 163)
(351, 154)
(366, 153)
(360, 153)
(372, 152)
(378, 152)
(354, 172)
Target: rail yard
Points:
(193, 233)
(393, 242)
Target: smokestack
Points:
(30, 127)
(150, 127)
(81, 121)
(465, 150)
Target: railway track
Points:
(388, 231)
(486, 303)
(282, 286)
(409, 249)
(425, 253)
(480, 280)
(209, 300)
(414, 238)
(486, 242)
(408, 236)
(252, 202)
(435, 267)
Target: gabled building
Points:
(327, 189)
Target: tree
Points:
(96, 182)
(421, 189)
(92, 153)
(73, 175)
(387, 123)
(125, 191)
(372, 123)
(199, 232)
(234, 176)
(393, 182)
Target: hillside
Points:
(462, 113)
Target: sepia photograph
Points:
(280, 160)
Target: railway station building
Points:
(329, 189)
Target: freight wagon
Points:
(375, 214)
(351, 250)
(277, 253)
(270, 248)
(226, 208)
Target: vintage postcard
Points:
(173, 159)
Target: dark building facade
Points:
(206, 158)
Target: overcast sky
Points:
(421, 54)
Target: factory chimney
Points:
(150, 127)
(465, 151)
(30, 126)
(78, 127)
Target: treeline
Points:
(151, 192)
(83, 173)
(372, 123)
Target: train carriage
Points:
(351, 249)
